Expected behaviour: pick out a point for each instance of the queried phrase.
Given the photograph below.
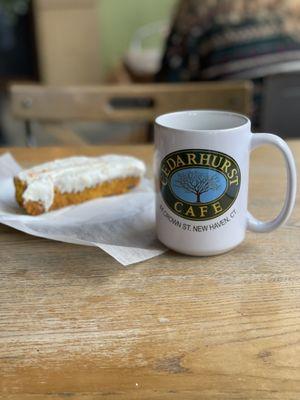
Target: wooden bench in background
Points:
(54, 106)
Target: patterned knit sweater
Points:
(231, 39)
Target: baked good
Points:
(74, 180)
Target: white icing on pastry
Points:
(74, 174)
(41, 190)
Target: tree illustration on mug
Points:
(197, 183)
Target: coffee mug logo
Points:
(199, 184)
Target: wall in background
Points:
(119, 20)
(67, 35)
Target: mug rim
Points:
(246, 121)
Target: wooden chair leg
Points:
(30, 138)
(63, 134)
(150, 132)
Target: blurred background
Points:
(119, 47)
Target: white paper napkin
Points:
(123, 226)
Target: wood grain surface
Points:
(74, 324)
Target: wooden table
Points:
(74, 324)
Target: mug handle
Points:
(259, 139)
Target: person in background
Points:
(232, 39)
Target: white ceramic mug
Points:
(201, 168)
